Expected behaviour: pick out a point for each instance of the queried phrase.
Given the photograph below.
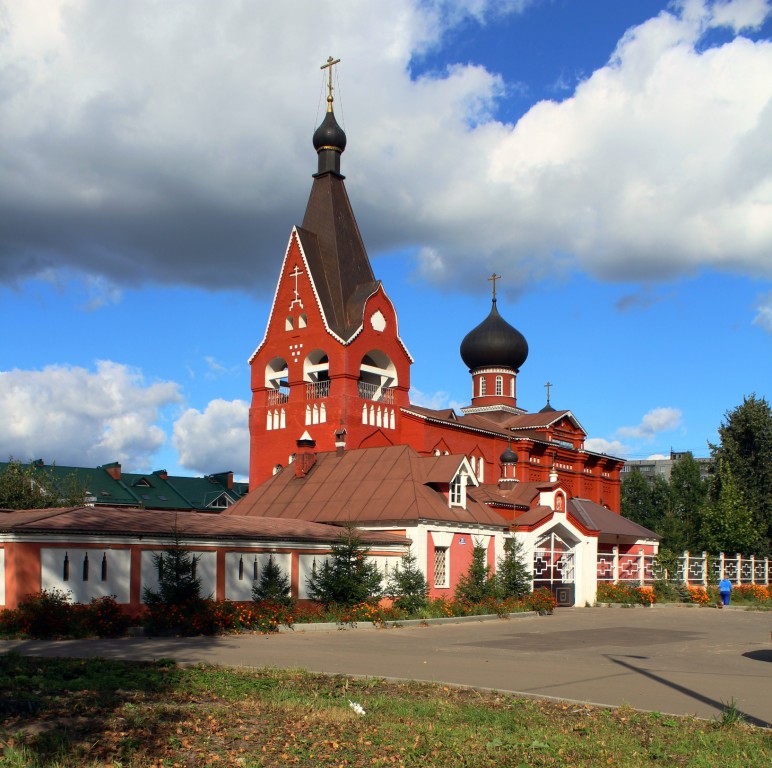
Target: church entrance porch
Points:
(554, 567)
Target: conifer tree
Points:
(477, 583)
(512, 575)
(273, 584)
(178, 582)
(347, 576)
(407, 585)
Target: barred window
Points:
(440, 566)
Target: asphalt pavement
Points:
(670, 659)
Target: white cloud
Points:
(438, 400)
(764, 313)
(216, 440)
(610, 447)
(655, 421)
(73, 416)
(153, 141)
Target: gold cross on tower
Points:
(329, 65)
(493, 278)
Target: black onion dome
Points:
(509, 456)
(329, 135)
(494, 343)
(547, 409)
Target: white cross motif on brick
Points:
(296, 274)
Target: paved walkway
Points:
(679, 660)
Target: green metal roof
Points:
(156, 490)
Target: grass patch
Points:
(61, 713)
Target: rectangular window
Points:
(455, 491)
(440, 566)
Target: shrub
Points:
(626, 594)
(102, 617)
(540, 600)
(699, 595)
(45, 614)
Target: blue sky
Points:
(611, 160)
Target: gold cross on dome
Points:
(329, 65)
(493, 278)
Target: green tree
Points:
(477, 583)
(178, 582)
(24, 487)
(273, 584)
(407, 585)
(688, 494)
(29, 486)
(512, 575)
(727, 524)
(637, 502)
(347, 576)
(745, 448)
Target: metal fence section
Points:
(698, 569)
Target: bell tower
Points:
(331, 358)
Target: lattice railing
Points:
(694, 569)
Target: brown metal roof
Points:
(120, 521)
(517, 494)
(336, 255)
(598, 518)
(373, 486)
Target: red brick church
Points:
(335, 439)
(332, 365)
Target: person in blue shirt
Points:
(725, 590)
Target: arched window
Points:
(377, 377)
(302, 320)
(276, 373)
(499, 385)
(316, 374)
(483, 386)
(512, 386)
(289, 323)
